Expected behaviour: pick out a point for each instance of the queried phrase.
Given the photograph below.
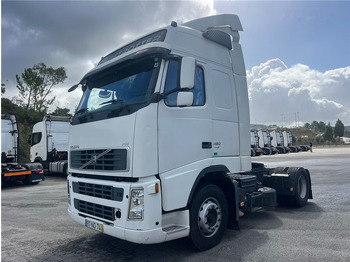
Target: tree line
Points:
(35, 97)
(328, 132)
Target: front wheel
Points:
(208, 217)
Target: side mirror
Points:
(73, 88)
(184, 99)
(187, 73)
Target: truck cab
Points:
(254, 144)
(49, 143)
(265, 143)
(278, 142)
(288, 141)
(159, 145)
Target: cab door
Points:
(184, 133)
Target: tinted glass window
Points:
(172, 82)
(36, 138)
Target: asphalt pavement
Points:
(35, 225)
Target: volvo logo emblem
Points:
(94, 159)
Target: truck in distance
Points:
(265, 143)
(254, 144)
(11, 171)
(169, 158)
(277, 141)
(49, 143)
(288, 141)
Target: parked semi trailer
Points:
(11, 171)
(265, 143)
(49, 143)
(159, 145)
(254, 144)
(277, 141)
(288, 141)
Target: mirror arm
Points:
(156, 97)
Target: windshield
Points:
(120, 89)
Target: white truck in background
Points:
(10, 169)
(49, 143)
(159, 145)
(288, 141)
(265, 143)
(277, 141)
(254, 144)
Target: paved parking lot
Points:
(35, 225)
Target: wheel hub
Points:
(209, 217)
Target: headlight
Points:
(136, 204)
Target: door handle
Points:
(206, 145)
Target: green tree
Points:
(328, 134)
(339, 129)
(35, 85)
(314, 125)
(3, 89)
(307, 125)
(61, 112)
(347, 133)
(321, 127)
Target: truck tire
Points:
(301, 188)
(208, 217)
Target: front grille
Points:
(99, 191)
(102, 159)
(95, 209)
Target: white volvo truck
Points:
(49, 143)
(265, 143)
(277, 141)
(159, 145)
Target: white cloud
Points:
(277, 92)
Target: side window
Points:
(198, 90)
(36, 138)
(172, 82)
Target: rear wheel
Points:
(208, 217)
(301, 188)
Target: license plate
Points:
(94, 225)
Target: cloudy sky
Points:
(297, 53)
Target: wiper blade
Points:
(113, 101)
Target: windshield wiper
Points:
(113, 101)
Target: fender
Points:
(218, 175)
(283, 179)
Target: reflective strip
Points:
(18, 173)
(281, 175)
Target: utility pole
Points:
(298, 119)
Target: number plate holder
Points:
(94, 225)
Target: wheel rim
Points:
(302, 186)
(209, 217)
